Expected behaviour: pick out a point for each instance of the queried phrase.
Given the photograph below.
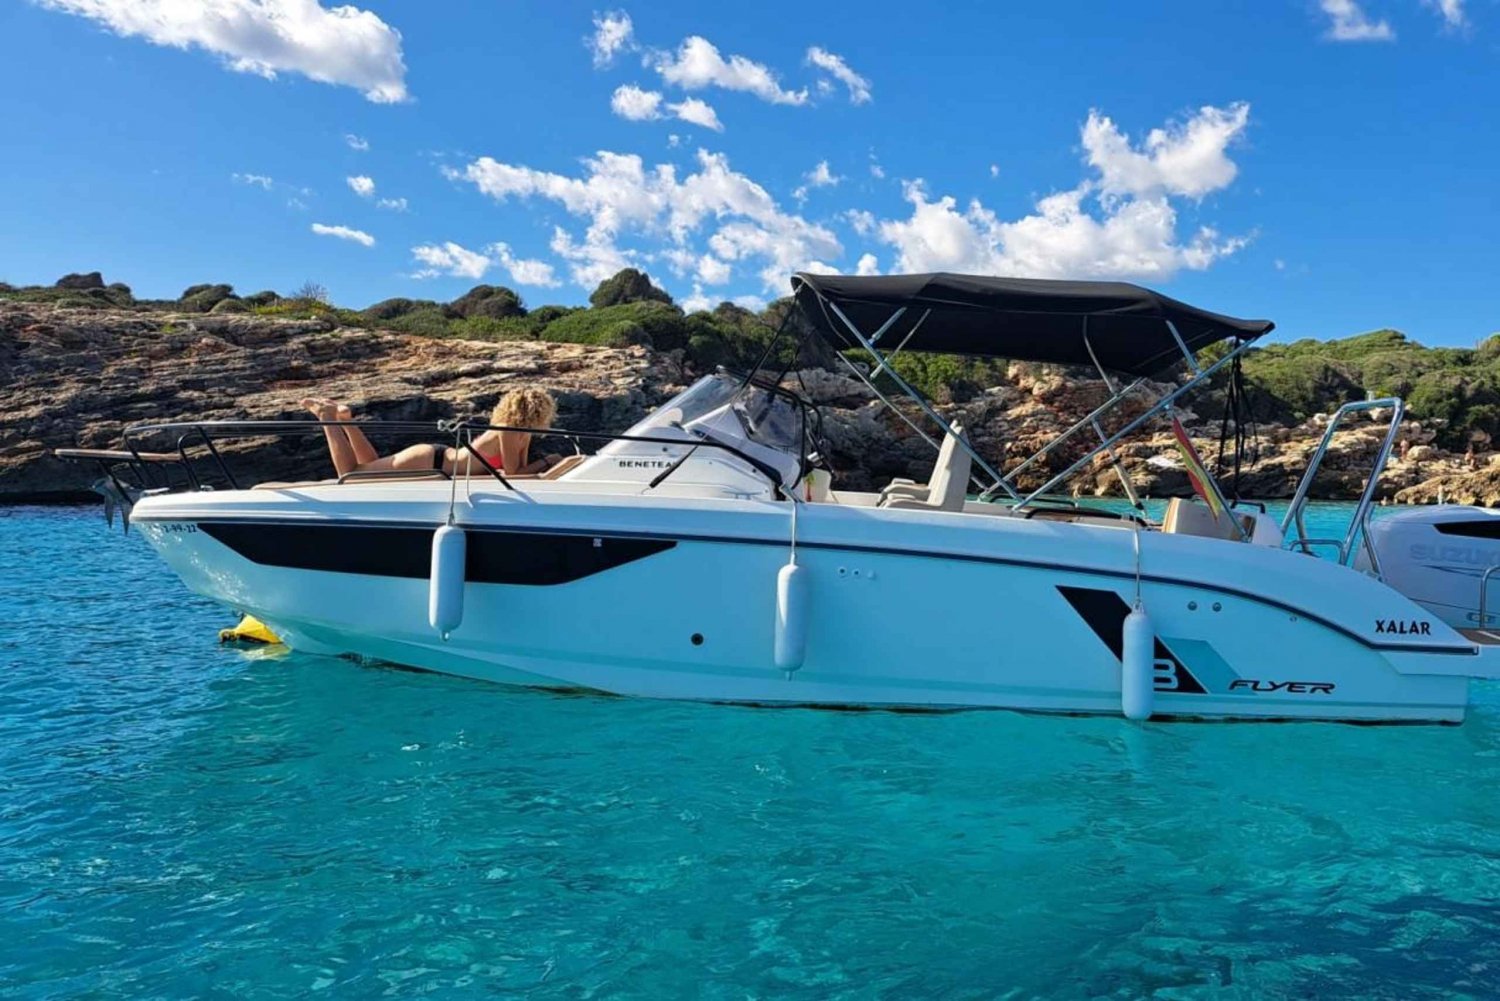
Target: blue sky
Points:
(1329, 164)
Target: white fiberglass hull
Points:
(675, 598)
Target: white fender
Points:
(445, 591)
(791, 617)
(1137, 676)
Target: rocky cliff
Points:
(77, 374)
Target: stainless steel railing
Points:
(1357, 527)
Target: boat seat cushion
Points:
(904, 489)
(949, 487)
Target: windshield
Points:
(765, 416)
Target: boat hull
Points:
(678, 601)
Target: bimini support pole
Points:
(1114, 460)
(1158, 407)
(916, 397)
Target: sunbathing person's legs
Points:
(364, 452)
(339, 447)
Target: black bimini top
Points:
(1023, 319)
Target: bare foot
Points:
(327, 411)
(312, 405)
(345, 414)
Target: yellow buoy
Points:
(250, 630)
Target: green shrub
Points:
(202, 298)
(488, 328)
(494, 301)
(625, 286)
(230, 306)
(654, 324)
(389, 309)
(429, 322)
(544, 315)
(263, 298)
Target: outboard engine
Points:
(1438, 557)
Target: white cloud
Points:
(339, 45)
(1349, 23)
(697, 112)
(877, 171)
(862, 221)
(592, 261)
(259, 180)
(457, 261)
(635, 104)
(621, 199)
(450, 259)
(362, 186)
(613, 33)
(994, 170)
(356, 143)
(819, 177)
(867, 265)
(1187, 158)
(1451, 11)
(859, 87)
(392, 204)
(712, 271)
(698, 64)
(344, 233)
(1121, 224)
(524, 270)
(697, 302)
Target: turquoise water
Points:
(178, 819)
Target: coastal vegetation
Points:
(1455, 391)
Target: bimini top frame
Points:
(1110, 325)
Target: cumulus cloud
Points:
(1188, 158)
(356, 143)
(449, 259)
(698, 64)
(621, 200)
(339, 45)
(1119, 224)
(344, 233)
(524, 270)
(1451, 11)
(392, 204)
(362, 186)
(697, 112)
(834, 66)
(613, 33)
(457, 261)
(637, 105)
(259, 180)
(819, 177)
(1349, 23)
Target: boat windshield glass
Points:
(768, 417)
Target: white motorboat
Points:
(701, 555)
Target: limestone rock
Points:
(78, 377)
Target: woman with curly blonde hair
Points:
(507, 451)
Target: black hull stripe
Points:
(1466, 651)
(388, 551)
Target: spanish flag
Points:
(1197, 474)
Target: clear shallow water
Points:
(178, 819)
